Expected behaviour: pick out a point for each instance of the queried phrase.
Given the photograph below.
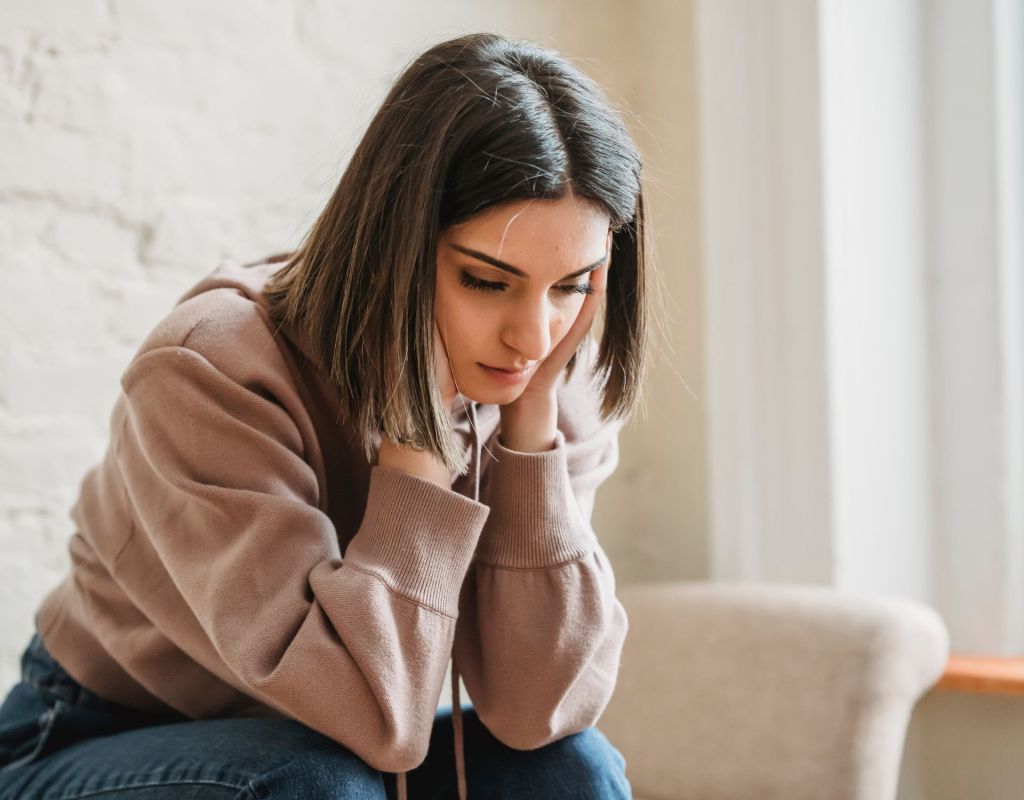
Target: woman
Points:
(333, 470)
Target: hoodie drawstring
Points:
(460, 756)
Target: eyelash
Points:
(494, 286)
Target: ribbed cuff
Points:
(535, 520)
(418, 537)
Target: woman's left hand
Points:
(530, 419)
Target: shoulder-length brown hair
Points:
(473, 122)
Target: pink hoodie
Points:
(236, 555)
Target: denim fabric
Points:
(60, 741)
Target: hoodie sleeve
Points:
(216, 471)
(540, 630)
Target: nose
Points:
(528, 330)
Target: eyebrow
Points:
(515, 270)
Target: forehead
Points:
(537, 232)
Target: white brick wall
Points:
(142, 141)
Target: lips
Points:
(508, 377)
(507, 369)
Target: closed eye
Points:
(497, 286)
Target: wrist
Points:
(421, 463)
(530, 426)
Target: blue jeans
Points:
(60, 741)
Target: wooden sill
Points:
(983, 675)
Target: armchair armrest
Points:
(733, 691)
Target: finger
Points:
(588, 311)
(599, 280)
(556, 361)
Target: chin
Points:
(492, 395)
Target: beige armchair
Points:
(768, 691)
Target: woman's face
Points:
(509, 286)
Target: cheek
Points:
(463, 323)
(563, 319)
